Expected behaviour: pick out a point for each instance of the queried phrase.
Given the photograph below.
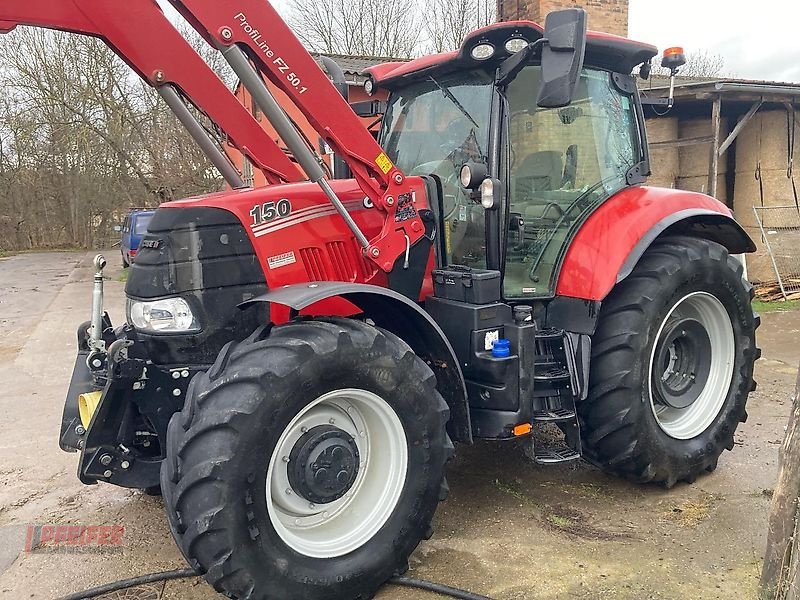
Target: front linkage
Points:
(119, 403)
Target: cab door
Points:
(561, 165)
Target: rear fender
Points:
(406, 319)
(613, 239)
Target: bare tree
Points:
(452, 20)
(701, 63)
(81, 140)
(388, 28)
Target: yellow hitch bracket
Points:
(87, 404)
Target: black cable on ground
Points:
(436, 588)
(129, 583)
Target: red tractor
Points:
(298, 359)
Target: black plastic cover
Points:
(204, 256)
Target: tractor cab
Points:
(554, 165)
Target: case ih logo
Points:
(75, 539)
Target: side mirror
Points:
(117, 228)
(562, 56)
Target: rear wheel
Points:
(307, 464)
(672, 364)
(125, 263)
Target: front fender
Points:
(404, 318)
(612, 240)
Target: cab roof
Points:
(603, 50)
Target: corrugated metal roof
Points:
(714, 83)
(353, 65)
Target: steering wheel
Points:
(453, 195)
(450, 138)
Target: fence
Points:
(780, 234)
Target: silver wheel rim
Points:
(691, 421)
(345, 524)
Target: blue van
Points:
(133, 229)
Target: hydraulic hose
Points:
(124, 584)
(436, 588)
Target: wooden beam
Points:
(694, 141)
(716, 121)
(776, 575)
(739, 126)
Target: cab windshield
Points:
(434, 126)
(445, 119)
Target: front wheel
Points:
(672, 364)
(307, 464)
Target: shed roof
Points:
(354, 65)
(704, 88)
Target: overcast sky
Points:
(759, 39)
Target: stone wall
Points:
(609, 16)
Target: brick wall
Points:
(610, 16)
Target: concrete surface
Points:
(510, 529)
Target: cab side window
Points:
(563, 163)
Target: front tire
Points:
(307, 464)
(672, 364)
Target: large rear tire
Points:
(307, 462)
(672, 364)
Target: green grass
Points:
(6, 253)
(123, 277)
(559, 521)
(777, 306)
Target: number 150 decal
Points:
(263, 213)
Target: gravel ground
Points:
(510, 529)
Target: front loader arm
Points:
(139, 32)
(257, 28)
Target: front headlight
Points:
(170, 315)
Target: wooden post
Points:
(783, 546)
(716, 121)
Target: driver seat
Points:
(539, 172)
